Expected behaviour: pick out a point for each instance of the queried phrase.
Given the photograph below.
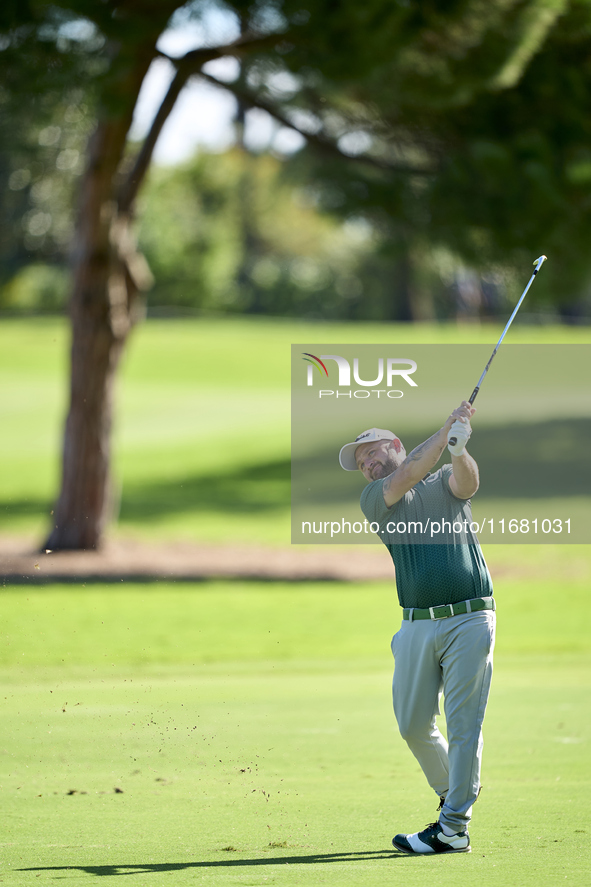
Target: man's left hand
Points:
(461, 431)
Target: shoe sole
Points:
(434, 853)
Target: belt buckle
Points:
(441, 607)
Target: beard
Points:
(388, 467)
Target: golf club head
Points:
(539, 262)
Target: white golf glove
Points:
(461, 431)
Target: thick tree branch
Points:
(131, 185)
(322, 142)
(243, 45)
(192, 63)
(187, 65)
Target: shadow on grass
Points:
(521, 461)
(138, 869)
(537, 460)
(248, 489)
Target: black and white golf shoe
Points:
(433, 840)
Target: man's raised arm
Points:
(424, 457)
(464, 480)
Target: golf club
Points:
(538, 263)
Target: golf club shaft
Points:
(538, 263)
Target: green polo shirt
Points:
(432, 568)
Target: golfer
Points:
(446, 640)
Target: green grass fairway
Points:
(201, 443)
(239, 733)
(276, 774)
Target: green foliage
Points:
(246, 233)
(44, 125)
(488, 103)
(36, 289)
(227, 232)
(457, 129)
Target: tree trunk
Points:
(107, 273)
(80, 511)
(101, 318)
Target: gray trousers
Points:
(452, 656)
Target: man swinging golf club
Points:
(446, 640)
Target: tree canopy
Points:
(459, 126)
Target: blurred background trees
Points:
(448, 143)
(437, 147)
(230, 233)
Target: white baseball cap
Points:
(347, 454)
